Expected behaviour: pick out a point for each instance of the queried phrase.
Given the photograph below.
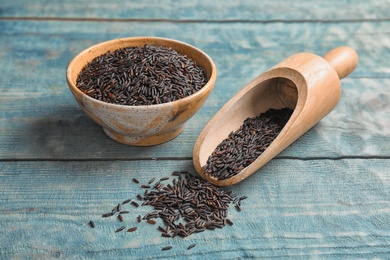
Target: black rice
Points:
(151, 221)
(186, 206)
(190, 205)
(191, 246)
(244, 146)
(132, 229)
(151, 180)
(126, 201)
(120, 229)
(141, 75)
(106, 215)
(135, 204)
(165, 234)
(178, 173)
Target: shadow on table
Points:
(71, 134)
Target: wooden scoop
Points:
(305, 82)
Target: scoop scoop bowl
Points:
(307, 83)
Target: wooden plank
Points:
(40, 120)
(249, 10)
(326, 196)
(295, 208)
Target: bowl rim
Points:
(209, 84)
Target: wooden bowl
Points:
(141, 125)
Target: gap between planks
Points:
(318, 158)
(74, 19)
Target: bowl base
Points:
(141, 140)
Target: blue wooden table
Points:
(326, 196)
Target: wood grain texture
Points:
(247, 10)
(316, 91)
(325, 196)
(40, 119)
(294, 208)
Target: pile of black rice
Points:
(185, 206)
(141, 75)
(243, 146)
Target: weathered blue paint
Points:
(326, 196)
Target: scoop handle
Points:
(343, 59)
